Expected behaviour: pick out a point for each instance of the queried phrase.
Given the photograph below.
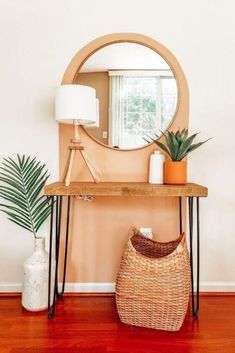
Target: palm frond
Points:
(22, 181)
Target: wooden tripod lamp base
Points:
(70, 162)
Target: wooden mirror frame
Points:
(180, 118)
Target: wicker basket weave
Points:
(152, 288)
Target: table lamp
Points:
(77, 105)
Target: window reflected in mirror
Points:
(137, 94)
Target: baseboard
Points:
(109, 287)
(217, 287)
(10, 287)
(69, 287)
(103, 287)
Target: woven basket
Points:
(152, 288)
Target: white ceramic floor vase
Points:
(35, 281)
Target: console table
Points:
(56, 193)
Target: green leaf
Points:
(42, 213)
(195, 146)
(163, 147)
(19, 161)
(31, 162)
(40, 184)
(36, 170)
(146, 140)
(13, 179)
(42, 219)
(31, 182)
(17, 210)
(21, 183)
(184, 147)
(7, 188)
(10, 181)
(172, 144)
(26, 162)
(18, 218)
(12, 196)
(19, 224)
(40, 207)
(13, 163)
(30, 169)
(39, 199)
(10, 169)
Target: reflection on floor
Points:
(91, 325)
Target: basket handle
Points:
(135, 231)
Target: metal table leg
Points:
(58, 232)
(195, 304)
(65, 249)
(180, 214)
(50, 254)
(56, 295)
(59, 199)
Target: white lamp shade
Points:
(97, 123)
(75, 103)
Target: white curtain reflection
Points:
(140, 104)
(116, 111)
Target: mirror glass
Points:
(137, 94)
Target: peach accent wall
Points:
(99, 81)
(100, 229)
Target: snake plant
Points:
(178, 144)
(21, 183)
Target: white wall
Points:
(38, 39)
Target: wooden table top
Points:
(124, 189)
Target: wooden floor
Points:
(91, 325)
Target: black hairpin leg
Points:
(56, 294)
(195, 305)
(66, 248)
(59, 200)
(58, 231)
(50, 254)
(180, 214)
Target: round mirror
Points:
(136, 91)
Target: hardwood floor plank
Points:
(91, 325)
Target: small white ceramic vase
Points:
(156, 165)
(35, 281)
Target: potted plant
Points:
(22, 181)
(177, 146)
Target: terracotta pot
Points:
(175, 172)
